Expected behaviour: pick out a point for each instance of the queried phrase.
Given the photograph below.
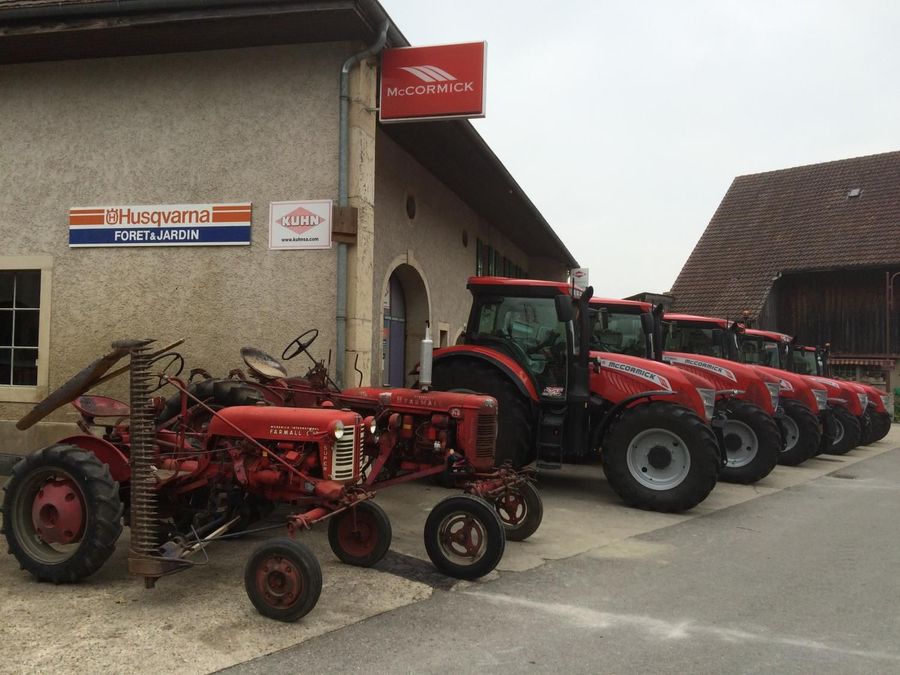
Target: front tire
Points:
(801, 431)
(61, 514)
(881, 425)
(464, 537)
(521, 511)
(661, 457)
(283, 579)
(515, 435)
(848, 432)
(752, 443)
(360, 536)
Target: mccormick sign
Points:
(441, 82)
(160, 225)
(300, 224)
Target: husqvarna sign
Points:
(300, 224)
(427, 83)
(160, 225)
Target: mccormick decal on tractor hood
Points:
(642, 373)
(304, 224)
(704, 365)
(440, 82)
(160, 225)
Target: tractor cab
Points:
(805, 360)
(621, 327)
(697, 335)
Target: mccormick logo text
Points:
(642, 373)
(431, 74)
(703, 365)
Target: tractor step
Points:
(545, 464)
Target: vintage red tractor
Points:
(180, 488)
(528, 344)
(746, 401)
(416, 433)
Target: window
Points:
(479, 262)
(24, 327)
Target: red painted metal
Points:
(57, 512)
(106, 452)
(278, 581)
(507, 363)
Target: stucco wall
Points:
(432, 242)
(254, 125)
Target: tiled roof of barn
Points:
(798, 219)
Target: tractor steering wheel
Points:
(301, 344)
(170, 358)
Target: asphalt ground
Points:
(201, 620)
(804, 580)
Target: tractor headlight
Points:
(863, 400)
(886, 400)
(371, 424)
(709, 401)
(821, 398)
(338, 430)
(774, 393)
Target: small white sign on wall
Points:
(305, 224)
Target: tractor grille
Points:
(487, 436)
(343, 465)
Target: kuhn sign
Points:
(160, 225)
(300, 224)
(440, 82)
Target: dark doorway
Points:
(394, 348)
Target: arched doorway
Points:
(405, 311)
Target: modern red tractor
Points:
(844, 425)
(528, 344)
(746, 401)
(806, 360)
(181, 485)
(803, 402)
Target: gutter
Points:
(344, 196)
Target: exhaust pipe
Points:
(425, 359)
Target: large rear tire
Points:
(801, 431)
(61, 514)
(661, 457)
(848, 432)
(515, 434)
(752, 443)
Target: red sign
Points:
(421, 83)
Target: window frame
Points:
(37, 392)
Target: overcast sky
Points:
(625, 122)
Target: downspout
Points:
(344, 196)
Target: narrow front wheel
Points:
(283, 579)
(521, 511)
(464, 537)
(360, 536)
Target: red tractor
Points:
(746, 401)
(528, 344)
(417, 433)
(845, 425)
(180, 488)
(878, 417)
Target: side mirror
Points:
(647, 323)
(564, 311)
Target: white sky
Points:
(625, 122)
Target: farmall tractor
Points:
(528, 344)
(806, 360)
(419, 433)
(804, 403)
(746, 401)
(185, 479)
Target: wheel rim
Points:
(462, 538)
(278, 581)
(49, 516)
(838, 431)
(658, 459)
(791, 433)
(358, 536)
(512, 508)
(741, 444)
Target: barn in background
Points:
(812, 251)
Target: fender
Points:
(106, 452)
(509, 366)
(600, 429)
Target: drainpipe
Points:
(344, 197)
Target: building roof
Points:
(46, 30)
(808, 218)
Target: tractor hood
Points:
(397, 399)
(847, 394)
(280, 424)
(793, 386)
(728, 375)
(876, 397)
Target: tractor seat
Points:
(101, 406)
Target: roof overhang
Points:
(45, 30)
